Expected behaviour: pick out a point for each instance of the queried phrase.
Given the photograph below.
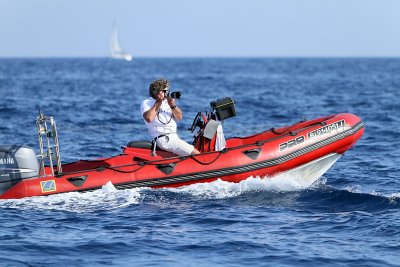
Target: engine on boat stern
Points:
(16, 163)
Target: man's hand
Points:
(171, 102)
(176, 112)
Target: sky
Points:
(206, 28)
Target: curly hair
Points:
(157, 86)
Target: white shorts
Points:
(174, 144)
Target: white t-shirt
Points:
(163, 123)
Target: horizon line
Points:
(201, 57)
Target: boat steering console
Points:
(221, 109)
(210, 136)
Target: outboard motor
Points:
(16, 163)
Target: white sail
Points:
(116, 51)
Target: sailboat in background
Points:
(116, 50)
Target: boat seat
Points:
(140, 144)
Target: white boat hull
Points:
(305, 175)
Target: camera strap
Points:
(165, 123)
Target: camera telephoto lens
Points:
(175, 95)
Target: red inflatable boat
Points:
(306, 149)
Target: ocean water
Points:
(349, 217)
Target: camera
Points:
(175, 95)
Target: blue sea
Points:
(349, 217)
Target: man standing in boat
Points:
(160, 114)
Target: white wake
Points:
(109, 198)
